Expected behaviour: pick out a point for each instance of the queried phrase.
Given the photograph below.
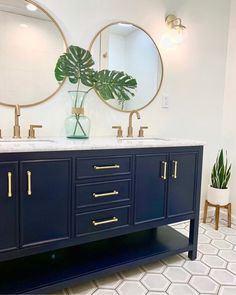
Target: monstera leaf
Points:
(114, 85)
(75, 64)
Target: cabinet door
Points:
(182, 177)
(150, 187)
(45, 201)
(8, 206)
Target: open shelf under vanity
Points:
(65, 267)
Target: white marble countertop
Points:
(93, 143)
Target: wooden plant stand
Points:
(217, 213)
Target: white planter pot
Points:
(218, 196)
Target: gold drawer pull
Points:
(96, 223)
(116, 166)
(164, 163)
(29, 191)
(175, 169)
(114, 193)
(9, 176)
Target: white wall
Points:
(193, 73)
(229, 122)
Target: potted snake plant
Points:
(218, 190)
(77, 65)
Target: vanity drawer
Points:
(102, 220)
(106, 166)
(102, 193)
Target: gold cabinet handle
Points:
(114, 193)
(29, 191)
(96, 223)
(9, 176)
(174, 175)
(164, 163)
(116, 166)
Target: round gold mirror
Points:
(126, 47)
(31, 42)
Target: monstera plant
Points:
(77, 65)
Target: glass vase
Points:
(77, 125)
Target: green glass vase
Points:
(77, 125)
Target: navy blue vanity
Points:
(70, 216)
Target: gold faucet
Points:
(130, 128)
(16, 128)
(32, 131)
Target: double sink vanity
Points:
(75, 210)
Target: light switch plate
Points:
(165, 102)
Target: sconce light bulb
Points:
(166, 43)
(177, 35)
(31, 7)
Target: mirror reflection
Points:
(30, 45)
(126, 47)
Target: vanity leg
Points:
(193, 235)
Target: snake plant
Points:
(221, 172)
(77, 65)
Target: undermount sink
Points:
(25, 140)
(143, 139)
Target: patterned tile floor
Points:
(213, 272)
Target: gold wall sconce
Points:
(177, 29)
(175, 34)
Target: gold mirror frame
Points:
(66, 45)
(162, 68)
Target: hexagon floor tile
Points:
(176, 274)
(204, 284)
(203, 239)
(155, 282)
(214, 261)
(156, 293)
(133, 274)
(231, 239)
(228, 255)
(131, 287)
(227, 290)
(181, 289)
(232, 268)
(213, 234)
(155, 267)
(222, 276)
(110, 282)
(207, 249)
(227, 230)
(213, 272)
(222, 244)
(175, 260)
(196, 268)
